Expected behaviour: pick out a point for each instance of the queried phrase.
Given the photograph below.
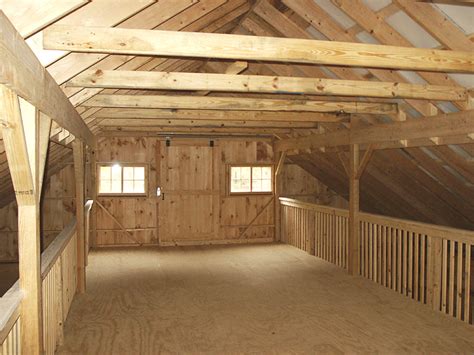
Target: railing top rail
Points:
(9, 310)
(433, 230)
(312, 206)
(413, 226)
(54, 250)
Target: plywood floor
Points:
(246, 299)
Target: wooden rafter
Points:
(147, 122)
(235, 103)
(262, 84)
(217, 115)
(224, 46)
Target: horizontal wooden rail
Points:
(58, 271)
(285, 201)
(428, 263)
(59, 281)
(9, 321)
(54, 250)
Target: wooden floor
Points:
(246, 299)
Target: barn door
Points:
(186, 210)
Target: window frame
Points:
(123, 165)
(251, 166)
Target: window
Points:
(251, 179)
(122, 179)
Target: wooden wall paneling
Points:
(141, 224)
(297, 183)
(237, 212)
(186, 212)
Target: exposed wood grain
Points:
(234, 103)
(261, 84)
(386, 134)
(224, 46)
(220, 116)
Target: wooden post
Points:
(26, 135)
(280, 158)
(78, 154)
(354, 248)
(93, 196)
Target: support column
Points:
(25, 135)
(78, 154)
(354, 237)
(93, 196)
(280, 159)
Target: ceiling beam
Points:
(153, 122)
(208, 130)
(119, 79)
(226, 46)
(21, 71)
(238, 104)
(385, 135)
(222, 116)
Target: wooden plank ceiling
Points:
(433, 183)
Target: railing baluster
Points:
(428, 263)
(444, 280)
(467, 280)
(451, 277)
(459, 283)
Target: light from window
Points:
(248, 179)
(116, 179)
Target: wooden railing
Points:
(428, 263)
(58, 271)
(10, 321)
(319, 230)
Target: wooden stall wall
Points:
(246, 217)
(57, 210)
(297, 183)
(196, 208)
(125, 220)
